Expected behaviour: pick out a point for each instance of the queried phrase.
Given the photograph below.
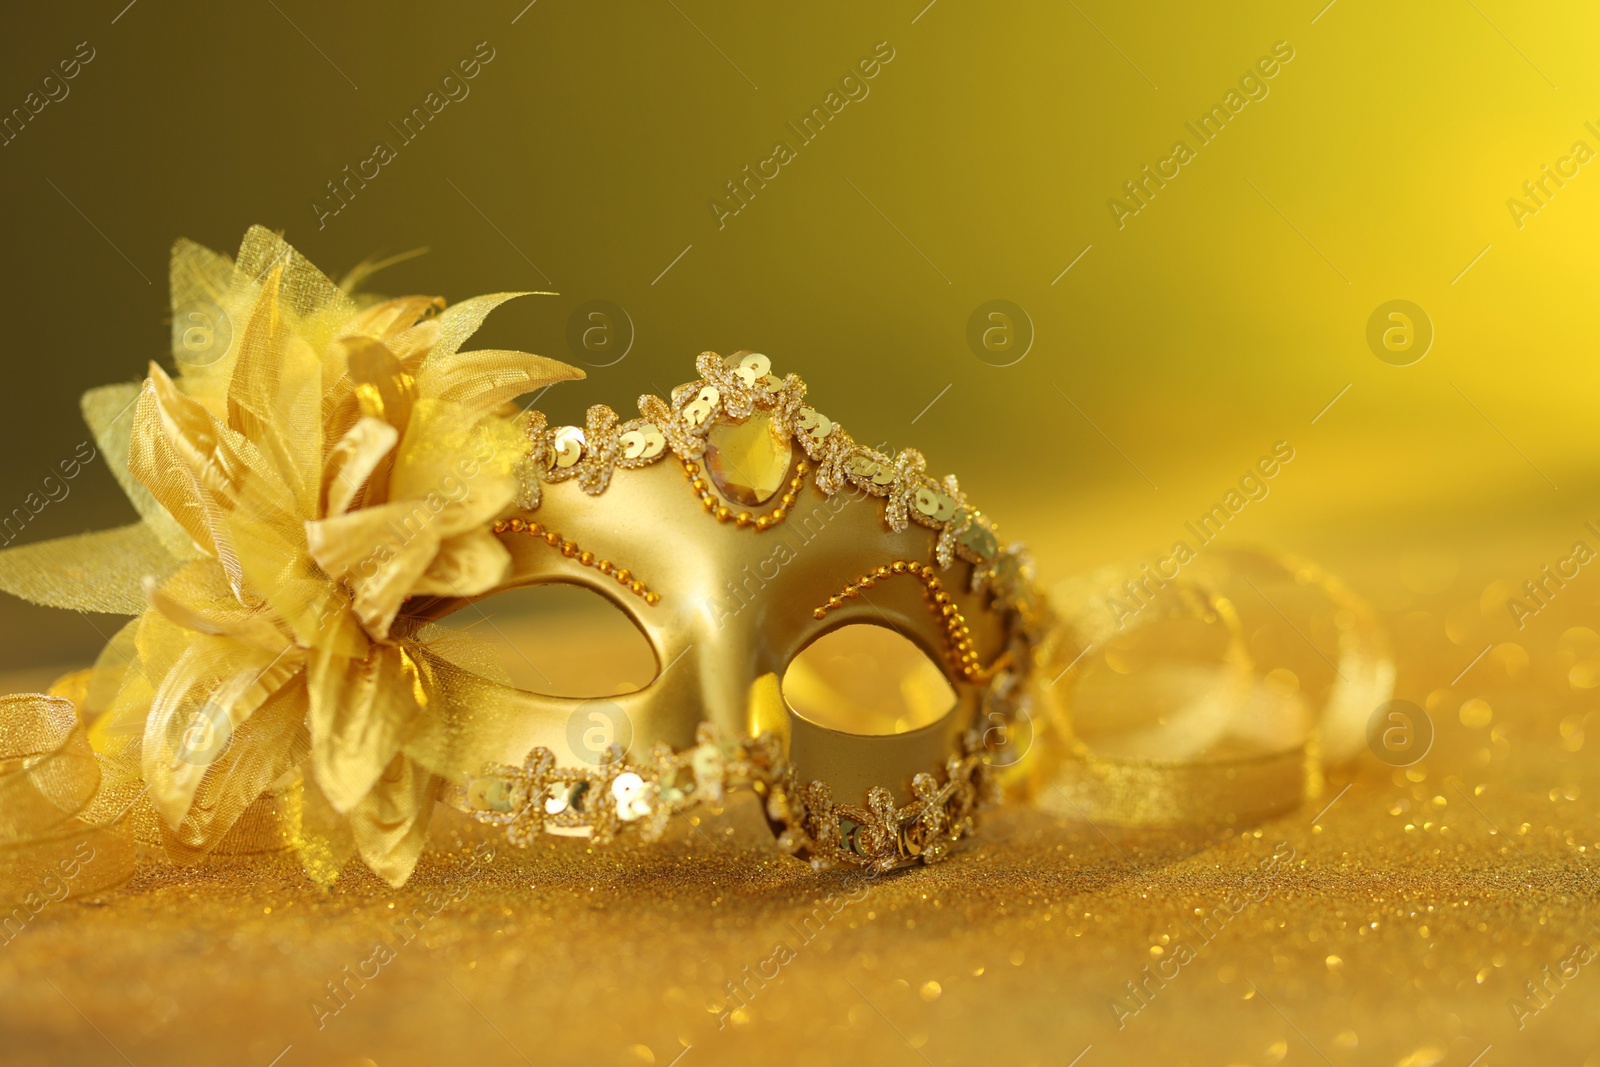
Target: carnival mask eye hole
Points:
(867, 679)
(556, 640)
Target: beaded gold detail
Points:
(959, 651)
(722, 513)
(731, 389)
(602, 802)
(583, 557)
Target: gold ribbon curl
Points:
(1176, 740)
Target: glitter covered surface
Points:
(1400, 923)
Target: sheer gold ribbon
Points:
(61, 828)
(1219, 695)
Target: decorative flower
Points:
(336, 459)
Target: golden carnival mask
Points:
(330, 484)
(738, 486)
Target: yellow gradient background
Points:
(1228, 315)
(1222, 318)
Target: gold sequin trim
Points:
(642, 795)
(571, 550)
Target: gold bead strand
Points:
(744, 519)
(959, 650)
(582, 557)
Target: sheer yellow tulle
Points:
(317, 460)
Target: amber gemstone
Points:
(746, 462)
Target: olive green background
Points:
(1222, 318)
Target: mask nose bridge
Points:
(728, 657)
